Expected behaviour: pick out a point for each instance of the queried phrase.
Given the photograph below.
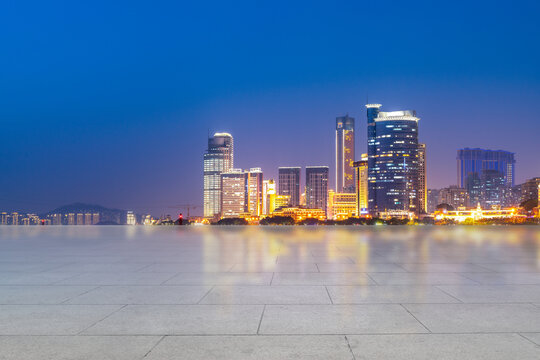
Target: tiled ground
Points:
(269, 293)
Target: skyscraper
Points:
(254, 191)
(344, 154)
(361, 185)
(242, 193)
(454, 196)
(289, 183)
(317, 187)
(393, 162)
(233, 187)
(422, 184)
(219, 158)
(476, 166)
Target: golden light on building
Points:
(361, 184)
(479, 214)
(341, 206)
(299, 213)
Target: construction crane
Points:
(188, 207)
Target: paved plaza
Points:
(380, 292)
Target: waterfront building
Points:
(478, 213)
(4, 218)
(341, 206)
(88, 218)
(269, 196)
(432, 200)
(218, 159)
(456, 197)
(80, 219)
(15, 218)
(361, 185)
(301, 213)
(95, 218)
(476, 166)
(393, 162)
(130, 218)
(242, 193)
(233, 200)
(316, 187)
(529, 189)
(422, 183)
(71, 219)
(289, 183)
(345, 154)
(254, 189)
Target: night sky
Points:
(111, 102)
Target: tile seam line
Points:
(410, 313)
(97, 322)
(154, 346)
(526, 338)
(452, 296)
(205, 294)
(260, 320)
(81, 294)
(350, 348)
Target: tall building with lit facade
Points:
(422, 183)
(269, 196)
(316, 187)
(361, 185)
(254, 189)
(218, 158)
(289, 183)
(341, 206)
(393, 162)
(242, 193)
(233, 199)
(130, 218)
(485, 174)
(344, 154)
(454, 196)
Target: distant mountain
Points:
(106, 215)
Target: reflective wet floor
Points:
(134, 292)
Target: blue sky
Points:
(111, 102)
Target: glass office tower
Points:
(289, 184)
(218, 158)
(485, 174)
(394, 156)
(344, 154)
(317, 187)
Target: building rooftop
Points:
(134, 292)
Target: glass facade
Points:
(485, 174)
(289, 184)
(317, 187)
(345, 154)
(396, 162)
(219, 158)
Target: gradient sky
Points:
(111, 102)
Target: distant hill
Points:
(107, 215)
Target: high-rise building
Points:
(88, 218)
(233, 200)
(432, 200)
(95, 218)
(130, 218)
(254, 191)
(344, 154)
(219, 158)
(529, 189)
(422, 184)
(289, 183)
(341, 206)
(71, 219)
(471, 165)
(269, 196)
(242, 192)
(361, 185)
(80, 219)
(393, 162)
(316, 187)
(493, 186)
(454, 196)
(4, 218)
(15, 218)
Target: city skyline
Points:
(97, 116)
